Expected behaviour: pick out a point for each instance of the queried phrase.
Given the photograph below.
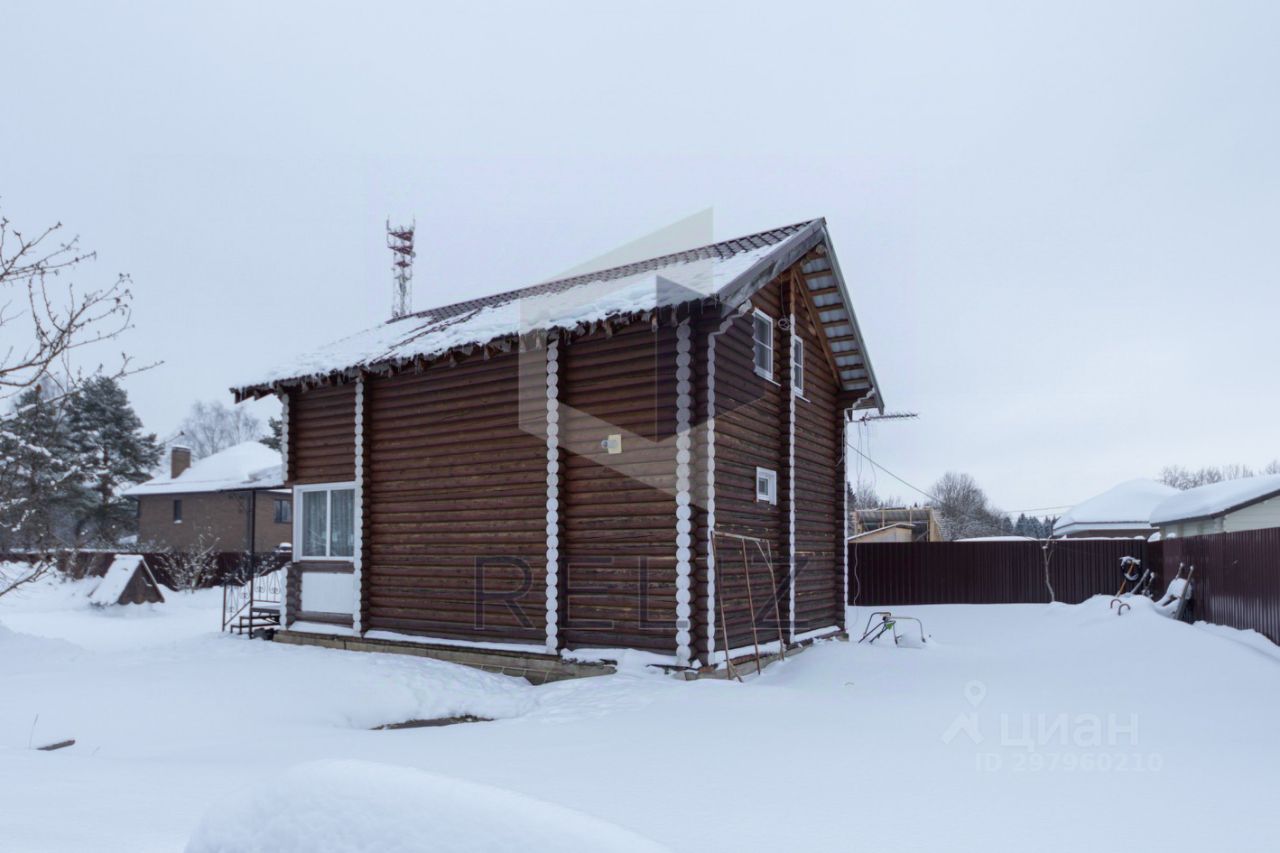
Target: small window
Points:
(283, 512)
(797, 364)
(762, 331)
(328, 521)
(177, 511)
(766, 485)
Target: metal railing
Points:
(252, 602)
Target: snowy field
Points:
(1049, 728)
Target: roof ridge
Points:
(721, 249)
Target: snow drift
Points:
(363, 807)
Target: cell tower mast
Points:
(400, 242)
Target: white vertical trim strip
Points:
(553, 494)
(791, 471)
(684, 505)
(711, 488)
(844, 513)
(357, 561)
(293, 503)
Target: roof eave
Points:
(765, 270)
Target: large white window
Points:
(762, 331)
(797, 364)
(326, 527)
(766, 485)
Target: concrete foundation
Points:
(534, 668)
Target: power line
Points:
(935, 499)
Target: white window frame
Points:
(770, 495)
(760, 371)
(797, 365)
(299, 512)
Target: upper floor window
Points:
(328, 529)
(762, 333)
(797, 364)
(283, 511)
(766, 485)
(177, 511)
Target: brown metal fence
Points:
(1236, 580)
(999, 572)
(228, 566)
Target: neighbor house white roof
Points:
(1216, 499)
(1124, 507)
(729, 271)
(250, 465)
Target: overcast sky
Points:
(1060, 225)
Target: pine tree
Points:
(275, 428)
(39, 483)
(110, 453)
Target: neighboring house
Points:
(585, 463)
(921, 521)
(208, 503)
(1121, 511)
(1252, 503)
(899, 532)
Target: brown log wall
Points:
(751, 430)
(454, 511)
(455, 505)
(619, 518)
(322, 424)
(819, 530)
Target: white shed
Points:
(1252, 503)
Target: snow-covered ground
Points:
(1053, 728)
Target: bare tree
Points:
(47, 326)
(45, 319)
(190, 567)
(210, 427)
(1181, 477)
(964, 509)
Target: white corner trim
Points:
(791, 475)
(844, 512)
(684, 503)
(553, 495)
(711, 487)
(284, 458)
(284, 433)
(357, 557)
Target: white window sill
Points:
(767, 377)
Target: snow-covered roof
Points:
(729, 271)
(113, 583)
(249, 465)
(1216, 499)
(1124, 507)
